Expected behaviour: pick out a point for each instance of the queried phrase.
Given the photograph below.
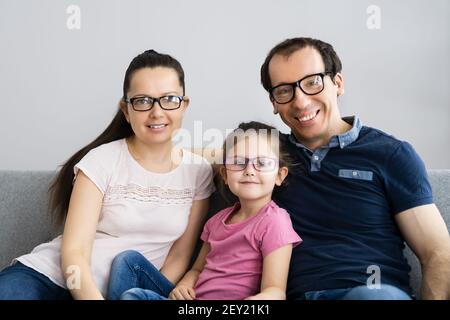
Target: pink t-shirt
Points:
(233, 267)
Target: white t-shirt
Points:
(141, 210)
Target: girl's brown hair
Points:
(259, 128)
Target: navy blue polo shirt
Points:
(342, 199)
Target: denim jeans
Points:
(133, 277)
(386, 292)
(19, 282)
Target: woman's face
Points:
(155, 126)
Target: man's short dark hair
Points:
(287, 47)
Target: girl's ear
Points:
(282, 174)
(124, 107)
(223, 174)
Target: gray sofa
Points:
(24, 222)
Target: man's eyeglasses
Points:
(263, 164)
(145, 103)
(310, 85)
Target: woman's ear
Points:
(282, 174)
(124, 107)
(186, 101)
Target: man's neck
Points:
(340, 128)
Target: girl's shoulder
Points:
(222, 214)
(273, 215)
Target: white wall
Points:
(59, 87)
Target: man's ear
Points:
(223, 173)
(124, 107)
(274, 105)
(339, 82)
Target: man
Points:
(360, 192)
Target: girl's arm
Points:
(185, 288)
(274, 275)
(180, 254)
(78, 236)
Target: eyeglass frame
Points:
(130, 100)
(252, 161)
(296, 84)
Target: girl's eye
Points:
(239, 161)
(265, 162)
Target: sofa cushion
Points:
(25, 223)
(23, 212)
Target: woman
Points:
(131, 188)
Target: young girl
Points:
(247, 247)
(132, 190)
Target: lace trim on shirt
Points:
(155, 195)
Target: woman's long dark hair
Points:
(61, 187)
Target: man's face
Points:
(314, 119)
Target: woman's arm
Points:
(180, 254)
(78, 236)
(274, 275)
(185, 288)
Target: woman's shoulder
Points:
(107, 150)
(196, 164)
(194, 158)
(105, 157)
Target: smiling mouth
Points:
(308, 117)
(157, 126)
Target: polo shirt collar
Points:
(341, 140)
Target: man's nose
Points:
(301, 99)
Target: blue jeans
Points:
(133, 277)
(19, 282)
(386, 292)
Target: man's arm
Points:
(426, 234)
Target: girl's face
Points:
(260, 171)
(156, 125)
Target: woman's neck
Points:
(157, 158)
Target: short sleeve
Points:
(406, 180)
(277, 231)
(204, 185)
(94, 167)
(206, 230)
